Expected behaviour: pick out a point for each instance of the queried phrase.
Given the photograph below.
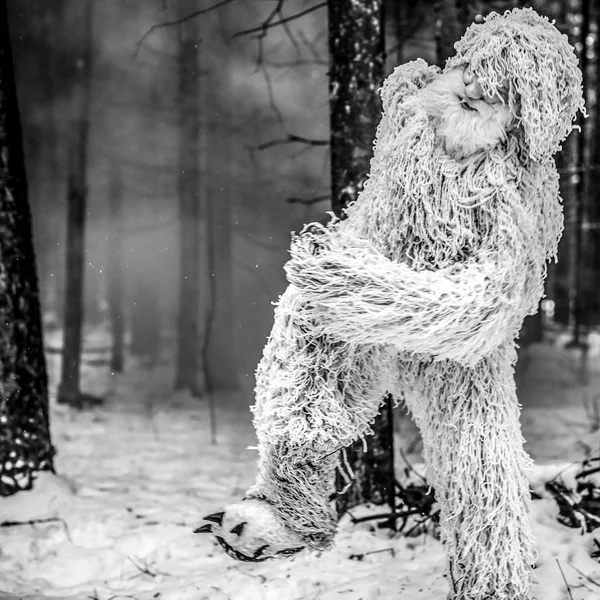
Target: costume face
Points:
(467, 120)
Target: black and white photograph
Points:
(299, 300)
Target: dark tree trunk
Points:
(115, 271)
(220, 353)
(145, 318)
(220, 359)
(356, 46)
(399, 18)
(69, 392)
(567, 271)
(25, 446)
(592, 246)
(582, 186)
(448, 28)
(188, 332)
(589, 275)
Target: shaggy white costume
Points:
(421, 292)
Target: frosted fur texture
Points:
(421, 291)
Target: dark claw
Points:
(216, 518)
(204, 529)
(238, 528)
(260, 551)
(239, 555)
(290, 551)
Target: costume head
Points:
(525, 52)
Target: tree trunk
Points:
(588, 279)
(356, 46)
(25, 446)
(69, 392)
(448, 28)
(593, 200)
(145, 318)
(220, 353)
(115, 272)
(569, 161)
(399, 17)
(220, 359)
(188, 363)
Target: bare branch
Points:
(292, 139)
(177, 22)
(296, 63)
(270, 92)
(308, 201)
(565, 579)
(312, 48)
(268, 24)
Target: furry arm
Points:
(461, 312)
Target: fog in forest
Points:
(172, 148)
(253, 94)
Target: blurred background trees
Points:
(204, 134)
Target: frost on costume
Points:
(421, 291)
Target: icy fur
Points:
(542, 70)
(421, 291)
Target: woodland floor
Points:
(146, 471)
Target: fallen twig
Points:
(565, 579)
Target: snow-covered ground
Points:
(146, 472)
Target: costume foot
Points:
(251, 531)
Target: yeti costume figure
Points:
(420, 292)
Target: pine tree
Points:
(25, 445)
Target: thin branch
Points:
(271, 94)
(302, 62)
(268, 24)
(292, 139)
(38, 521)
(177, 22)
(311, 47)
(308, 201)
(268, 21)
(587, 472)
(565, 579)
(410, 467)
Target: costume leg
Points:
(314, 396)
(469, 418)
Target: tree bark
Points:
(448, 28)
(115, 272)
(69, 392)
(220, 359)
(593, 200)
(188, 355)
(25, 445)
(588, 275)
(145, 318)
(399, 16)
(356, 47)
(219, 347)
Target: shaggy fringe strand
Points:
(421, 291)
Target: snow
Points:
(145, 472)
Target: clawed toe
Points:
(257, 537)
